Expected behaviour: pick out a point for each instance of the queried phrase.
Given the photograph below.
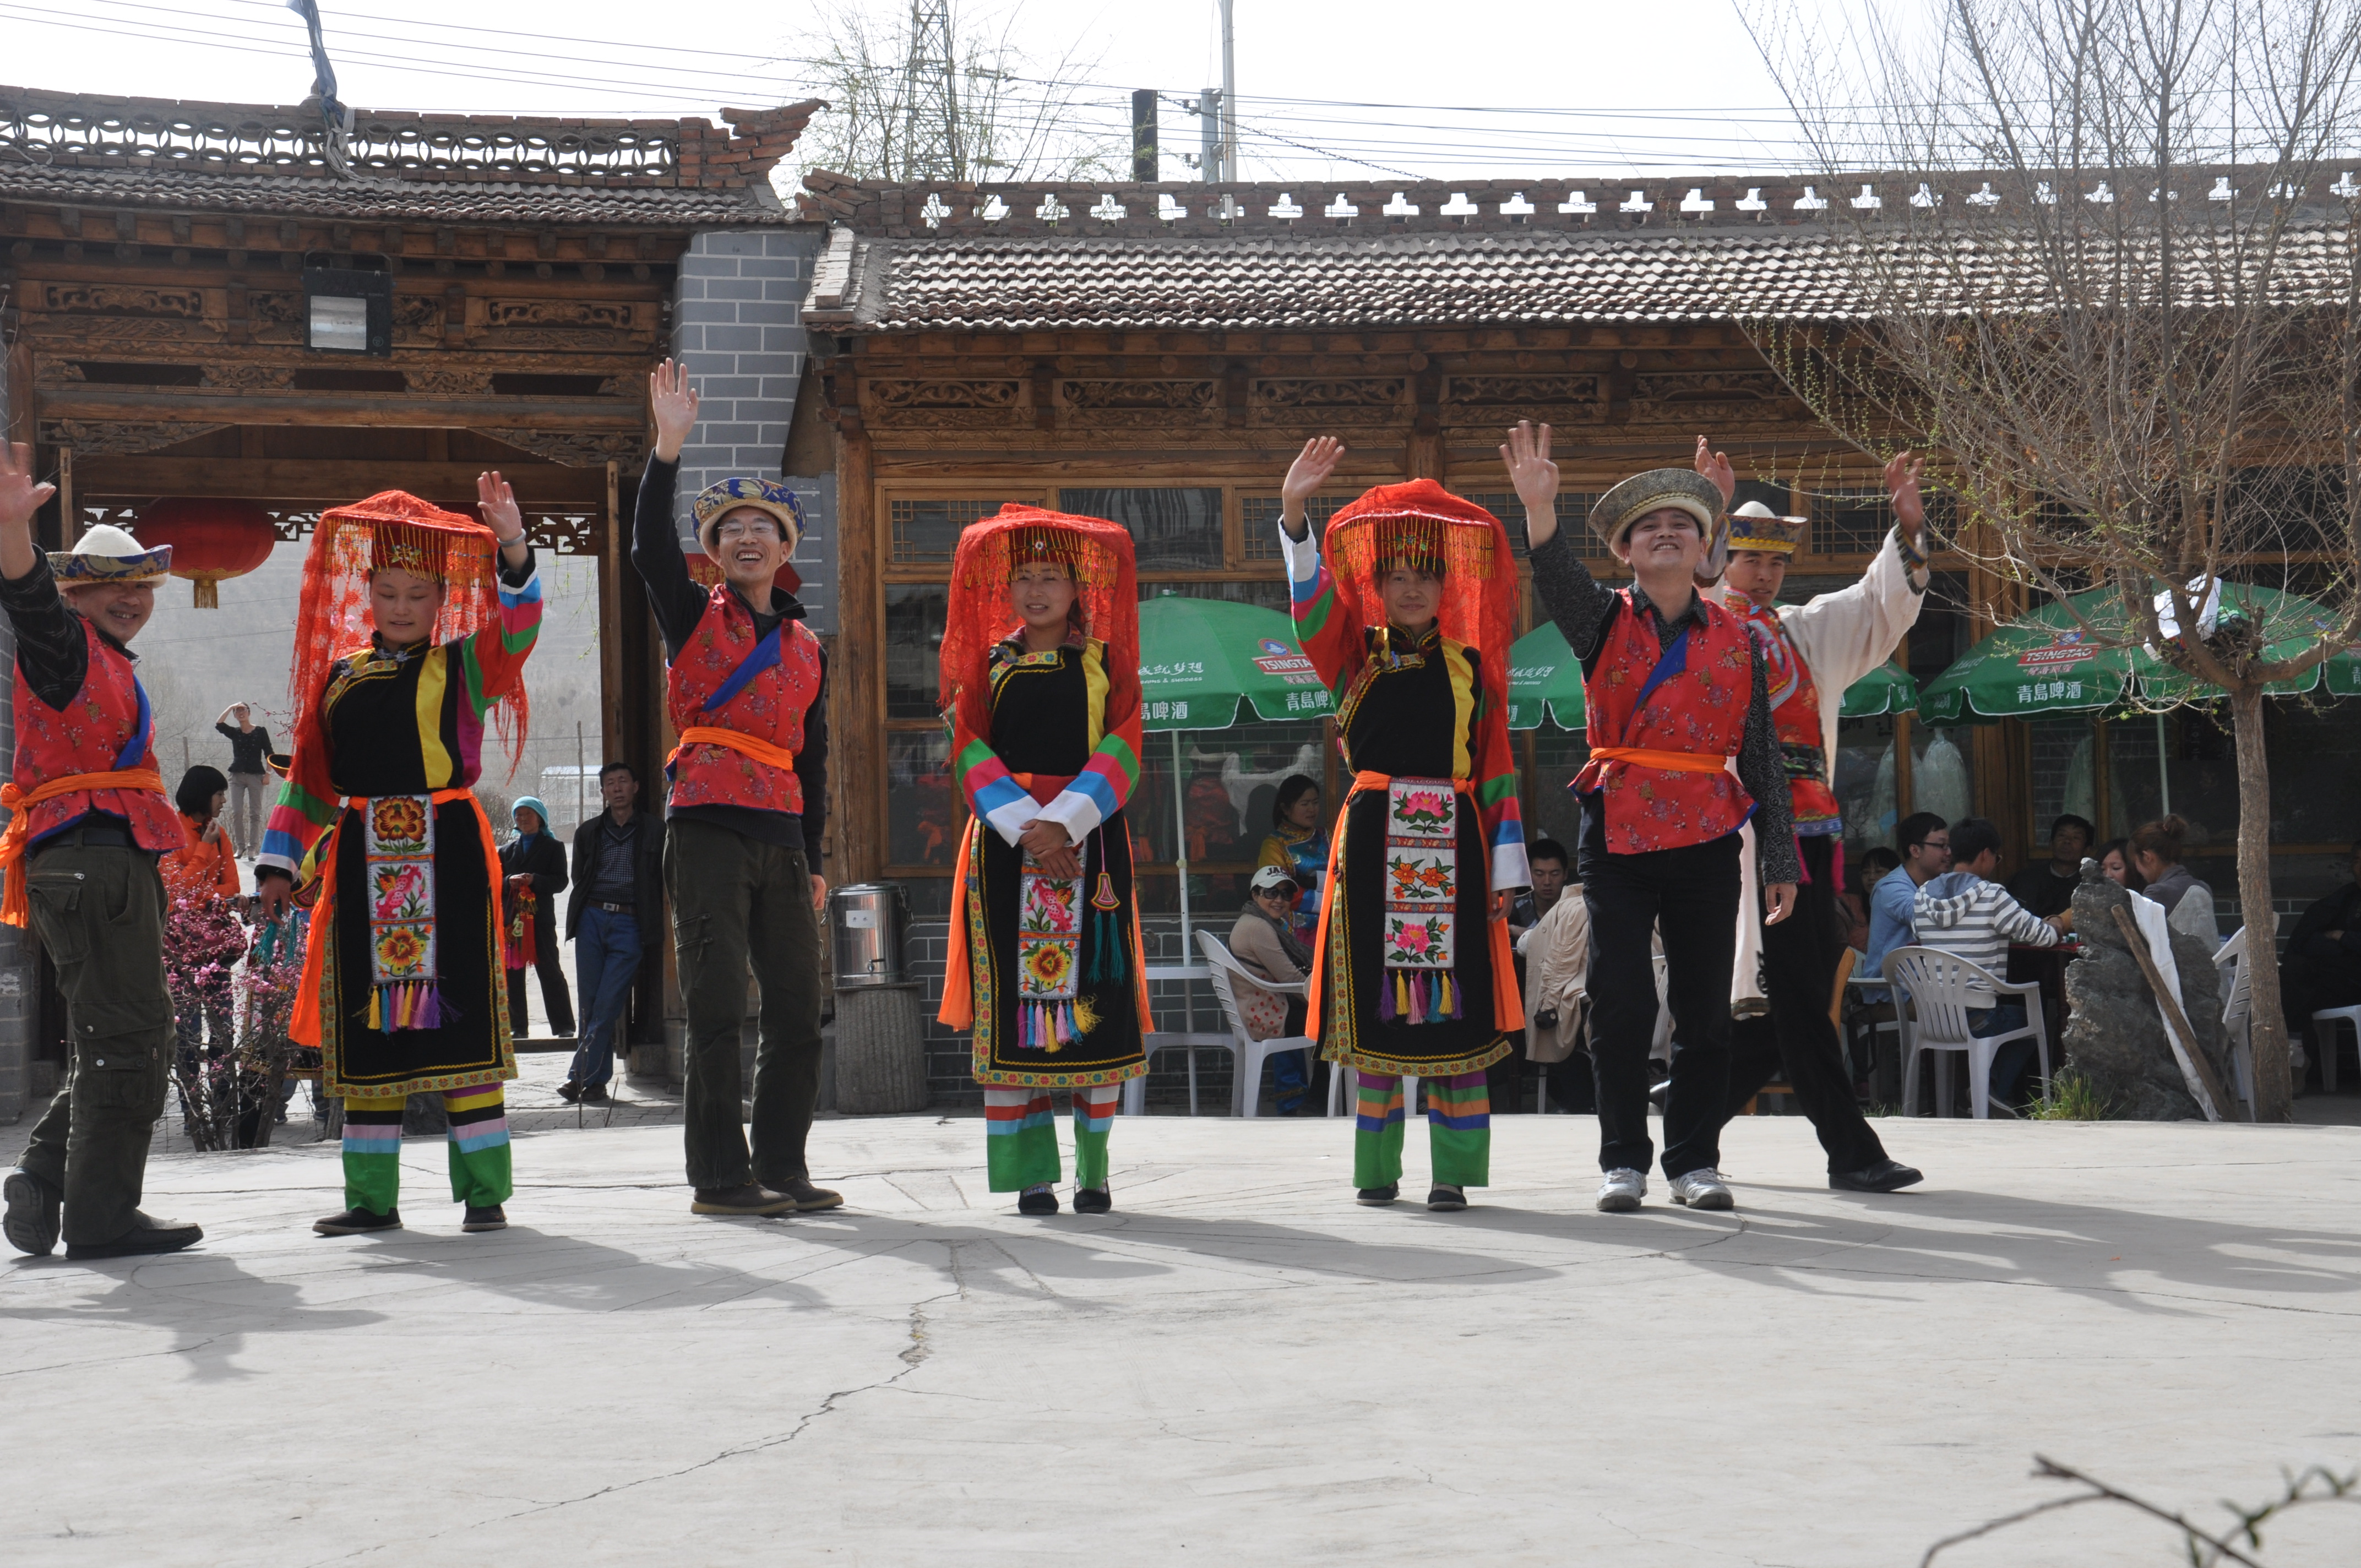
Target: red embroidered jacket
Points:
(106, 728)
(1691, 697)
(722, 680)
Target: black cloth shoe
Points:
(809, 1198)
(593, 1094)
(491, 1217)
(1377, 1196)
(570, 1092)
(34, 1206)
(744, 1199)
(146, 1235)
(358, 1221)
(1887, 1175)
(1445, 1199)
(1092, 1200)
(1037, 1201)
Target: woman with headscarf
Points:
(1406, 609)
(1039, 668)
(411, 631)
(533, 873)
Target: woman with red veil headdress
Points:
(1406, 609)
(413, 627)
(1041, 683)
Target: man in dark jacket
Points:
(616, 913)
(2323, 967)
(533, 860)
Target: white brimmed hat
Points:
(107, 554)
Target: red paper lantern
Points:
(211, 539)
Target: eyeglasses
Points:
(1942, 844)
(758, 529)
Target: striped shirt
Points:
(1961, 914)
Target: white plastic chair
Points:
(2325, 1040)
(1936, 1020)
(2237, 1010)
(1249, 1054)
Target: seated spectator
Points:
(2155, 850)
(1546, 859)
(2114, 863)
(1967, 914)
(1926, 842)
(1853, 904)
(2046, 889)
(2322, 966)
(1556, 954)
(1264, 940)
(1296, 845)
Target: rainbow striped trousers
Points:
(478, 1148)
(1458, 1130)
(1020, 1136)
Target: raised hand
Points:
(19, 499)
(1304, 477)
(1902, 473)
(1715, 466)
(498, 499)
(672, 403)
(1526, 455)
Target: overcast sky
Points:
(1402, 88)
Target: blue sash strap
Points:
(763, 656)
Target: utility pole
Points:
(1144, 159)
(1209, 134)
(1229, 102)
(930, 123)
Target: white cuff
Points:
(1074, 810)
(1303, 555)
(1508, 868)
(1009, 820)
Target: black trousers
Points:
(1799, 976)
(555, 999)
(1692, 893)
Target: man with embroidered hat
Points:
(746, 690)
(1677, 693)
(1785, 975)
(88, 821)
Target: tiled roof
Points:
(80, 150)
(1333, 282)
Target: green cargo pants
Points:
(100, 914)
(736, 902)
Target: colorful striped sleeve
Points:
(1496, 795)
(491, 663)
(992, 792)
(1327, 624)
(307, 803)
(1107, 780)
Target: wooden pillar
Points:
(857, 695)
(69, 526)
(614, 735)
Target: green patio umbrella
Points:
(1544, 673)
(1200, 660)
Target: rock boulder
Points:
(2114, 1036)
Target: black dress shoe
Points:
(569, 1092)
(1377, 1196)
(1092, 1200)
(358, 1223)
(31, 1222)
(148, 1235)
(746, 1198)
(1887, 1175)
(594, 1094)
(489, 1217)
(1037, 1201)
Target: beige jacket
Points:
(1841, 637)
(1557, 966)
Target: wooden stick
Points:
(2192, 1060)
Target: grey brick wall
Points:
(738, 327)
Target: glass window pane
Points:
(914, 639)
(1229, 778)
(1270, 593)
(922, 807)
(2065, 776)
(1175, 529)
(2315, 756)
(1259, 522)
(927, 532)
(1551, 809)
(1942, 771)
(1864, 782)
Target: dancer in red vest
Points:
(1815, 650)
(1675, 691)
(745, 688)
(89, 819)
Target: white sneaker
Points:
(1620, 1192)
(1702, 1190)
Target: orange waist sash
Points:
(1670, 762)
(737, 741)
(14, 909)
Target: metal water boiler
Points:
(868, 920)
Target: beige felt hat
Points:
(108, 554)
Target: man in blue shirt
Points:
(1924, 840)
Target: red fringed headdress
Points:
(387, 531)
(1097, 551)
(1423, 524)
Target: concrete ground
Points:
(1239, 1366)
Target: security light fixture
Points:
(346, 310)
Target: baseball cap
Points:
(1268, 878)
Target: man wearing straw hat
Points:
(1785, 975)
(88, 818)
(1676, 693)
